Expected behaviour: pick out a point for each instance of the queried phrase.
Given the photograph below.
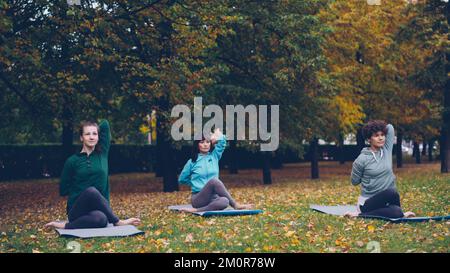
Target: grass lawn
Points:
(287, 224)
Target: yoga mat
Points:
(109, 231)
(226, 212)
(341, 210)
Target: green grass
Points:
(287, 224)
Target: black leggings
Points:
(90, 210)
(213, 196)
(385, 203)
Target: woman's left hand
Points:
(217, 134)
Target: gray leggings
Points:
(213, 196)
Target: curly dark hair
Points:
(374, 126)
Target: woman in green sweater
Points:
(85, 180)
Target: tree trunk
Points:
(233, 157)
(67, 132)
(360, 141)
(159, 166)
(276, 162)
(158, 162)
(444, 151)
(167, 167)
(341, 150)
(267, 175)
(424, 148)
(313, 146)
(169, 171)
(445, 132)
(67, 114)
(67, 139)
(399, 152)
(167, 154)
(416, 152)
(430, 150)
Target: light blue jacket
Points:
(373, 170)
(206, 167)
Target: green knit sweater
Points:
(82, 171)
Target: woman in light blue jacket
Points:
(201, 172)
(372, 170)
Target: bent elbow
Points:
(355, 181)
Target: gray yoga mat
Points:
(334, 210)
(341, 210)
(226, 212)
(109, 231)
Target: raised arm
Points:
(66, 179)
(357, 171)
(185, 175)
(219, 147)
(390, 135)
(104, 136)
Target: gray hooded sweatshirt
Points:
(373, 170)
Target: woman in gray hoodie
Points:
(373, 171)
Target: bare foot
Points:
(351, 214)
(408, 214)
(189, 209)
(56, 224)
(130, 221)
(243, 206)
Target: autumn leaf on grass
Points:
(371, 228)
(106, 245)
(189, 238)
(331, 249)
(289, 233)
(295, 242)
